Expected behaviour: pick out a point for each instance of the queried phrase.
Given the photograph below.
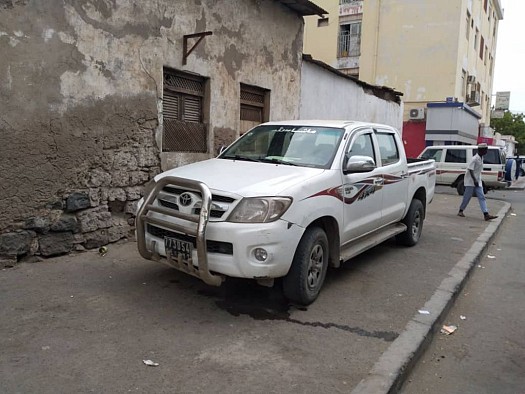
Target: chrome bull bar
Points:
(198, 231)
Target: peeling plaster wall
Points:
(325, 95)
(80, 94)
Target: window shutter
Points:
(184, 130)
(192, 109)
(171, 105)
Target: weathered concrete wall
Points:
(80, 102)
(326, 95)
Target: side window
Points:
(435, 154)
(456, 156)
(492, 157)
(387, 148)
(362, 146)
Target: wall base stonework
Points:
(85, 205)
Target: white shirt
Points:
(476, 165)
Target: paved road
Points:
(487, 352)
(84, 323)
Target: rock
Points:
(134, 193)
(16, 243)
(66, 223)
(38, 224)
(94, 219)
(117, 194)
(131, 207)
(94, 197)
(99, 177)
(55, 244)
(96, 239)
(77, 201)
(7, 261)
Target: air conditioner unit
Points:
(474, 99)
(471, 79)
(417, 113)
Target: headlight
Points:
(260, 209)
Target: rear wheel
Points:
(460, 187)
(303, 282)
(414, 222)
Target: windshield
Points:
(289, 145)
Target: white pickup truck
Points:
(286, 200)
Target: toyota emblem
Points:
(185, 199)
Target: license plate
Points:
(176, 246)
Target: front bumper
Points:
(219, 248)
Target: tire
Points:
(460, 187)
(414, 222)
(303, 282)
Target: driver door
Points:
(362, 192)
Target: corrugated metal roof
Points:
(303, 7)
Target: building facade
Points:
(99, 96)
(428, 50)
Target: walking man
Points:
(472, 182)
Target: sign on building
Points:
(351, 8)
(502, 101)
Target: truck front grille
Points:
(175, 192)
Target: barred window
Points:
(182, 111)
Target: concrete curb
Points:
(390, 371)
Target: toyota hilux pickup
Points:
(286, 200)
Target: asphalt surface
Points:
(85, 322)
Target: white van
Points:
(452, 161)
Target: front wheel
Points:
(303, 282)
(414, 222)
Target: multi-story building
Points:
(429, 50)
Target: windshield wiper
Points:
(238, 157)
(278, 161)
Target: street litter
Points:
(491, 256)
(513, 214)
(462, 317)
(447, 330)
(424, 312)
(150, 363)
(456, 239)
(102, 251)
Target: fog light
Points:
(260, 254)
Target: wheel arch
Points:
(331, 228)
(421, 195)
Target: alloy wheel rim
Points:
(315, 267)
(416, 225)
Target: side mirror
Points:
(356, 164)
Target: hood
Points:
(243, 177)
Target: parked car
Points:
(452, 161)
(286, 200)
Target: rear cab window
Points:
(388, 149)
